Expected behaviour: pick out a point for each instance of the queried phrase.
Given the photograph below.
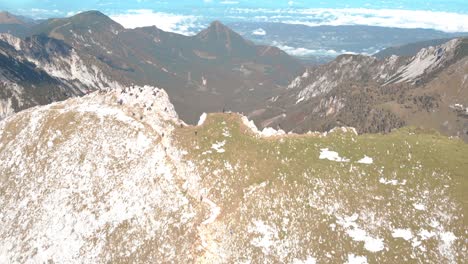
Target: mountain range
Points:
(218, 70)
(107, 156)
(429, 89)
(213, 70)
(17, 25)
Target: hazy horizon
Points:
(187, 17)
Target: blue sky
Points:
(189, 16)
(458, 6)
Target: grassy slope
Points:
(282, 183)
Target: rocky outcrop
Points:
(376, 95)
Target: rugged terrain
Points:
(212, 70)
(17, 25)
(429, 90)
(39, 70)
(218, 69)
(409, 49)
(117, 177)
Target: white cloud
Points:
(259, 32)
(39, 13)
(227, 2)
(445, 21)
(304, 52)
(182, 24)
(72, 13)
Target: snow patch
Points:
(420, 207)
(392, 182)
(226, 132)
(271, 132)
(218, 146)
(325, 153)
(202, 119)
(342, 130)
(353, 259)
(424, 234)
(370, 244)
(446, 244)
(356, 233)
(308, 260)
(448, 237)
(406, 234)
(366, 160)
(266, 132)
(267, 238)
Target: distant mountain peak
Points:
(93, 17)
(217, 29)
(85, 23)
(226, 40)
(8, 18)
(218, 25)
(91, 12)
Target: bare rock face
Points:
(377, 95)
(40, 70)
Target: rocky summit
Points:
(115, 176)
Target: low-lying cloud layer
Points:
(304, 52)
(444, 21)
(190, 23)
(182, 24)
(259, 32)
(449, 22)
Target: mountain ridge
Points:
(234, 74)
(215, 75)
(8, 18)
(117, 176)
(376, 95)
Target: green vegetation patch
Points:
(330, 196)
